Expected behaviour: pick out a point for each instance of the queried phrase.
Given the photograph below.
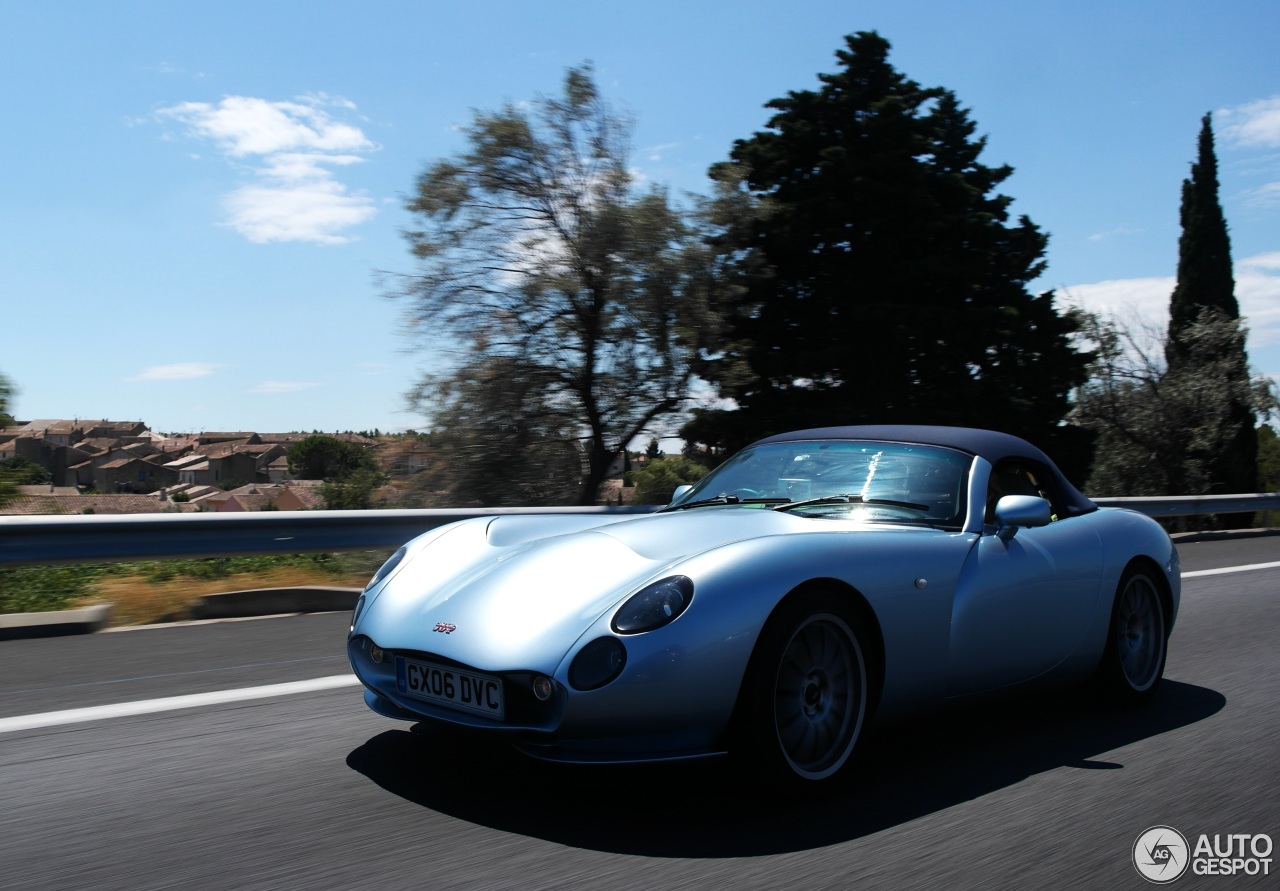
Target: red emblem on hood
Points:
(445, 628)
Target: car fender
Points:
(691, 669)
(1128, 535)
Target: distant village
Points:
(115, 467)
(122, 467)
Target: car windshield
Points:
(877, 481)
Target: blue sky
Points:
(198, 200)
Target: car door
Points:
(1023, 604)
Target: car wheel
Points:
(1137, 640)
(805, 694)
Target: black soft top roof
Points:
(989, 444)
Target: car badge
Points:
(445, 628)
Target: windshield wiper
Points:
(851, 499)
(724, 499)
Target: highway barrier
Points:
(94, 538)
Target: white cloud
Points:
(657, 152)
(283, 386)
(1115, 233)
(1145, 301)
(1256, 124)
(293, 147)
(180, 371)
(308, 210)
(244, 126)
(167, 68)
(1270, 261)
(1128, 300)
(1264, 196)
(1258, 289)
(304, 165)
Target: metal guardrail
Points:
(1195, 505)
(105, 538)
(96, 538)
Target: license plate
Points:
(478, 694)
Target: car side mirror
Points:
(680, 490)
(1016, 511)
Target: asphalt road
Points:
(313, 791)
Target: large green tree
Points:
(537, 249)
(320, 457)
(890, 284)
(1205, 290)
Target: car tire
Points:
(805, 695)
(1137, 644)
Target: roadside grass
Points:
(157, 591)
(137, 600)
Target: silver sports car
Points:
(810, 583)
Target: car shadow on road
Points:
(706, 809)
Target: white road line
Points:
(1227, 569)
(171, 703)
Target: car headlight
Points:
(385, 570)
(654, 605)
(598, 663)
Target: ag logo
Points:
(1161, 854)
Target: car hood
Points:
(517, 592)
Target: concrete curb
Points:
(85, 620)
(272, 601)
(228, 605)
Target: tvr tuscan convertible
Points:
(812, 582)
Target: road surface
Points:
(302, 787)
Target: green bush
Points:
(36, 589)
(656, 482)
(29, 589)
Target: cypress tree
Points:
(1204, 251)
(1205, 293)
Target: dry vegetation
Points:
(138, 600)
(157, 591)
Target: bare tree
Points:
(1161, 430)
(7, 490)
(537, 250)
(497, 444)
